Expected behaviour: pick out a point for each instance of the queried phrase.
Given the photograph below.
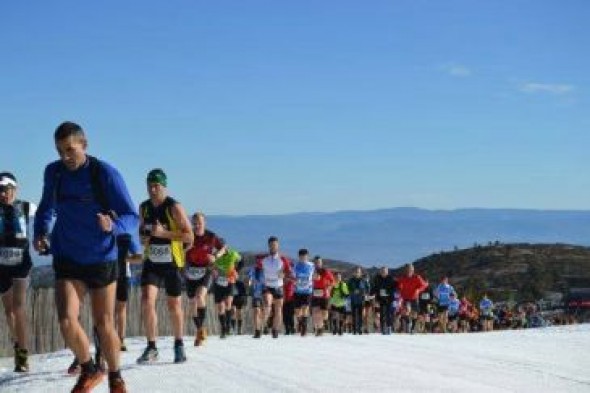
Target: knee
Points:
(68, 324)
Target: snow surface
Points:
(541, 360)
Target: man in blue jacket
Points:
(91, 206)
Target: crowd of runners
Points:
(87, 221)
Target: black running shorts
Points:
(162, 274)
(320, 302)
(9, 273)
(193, 285)
(277, 293)
(94, 276)
(239, 302)
(123, 288)
(302, 300)
(220, 293)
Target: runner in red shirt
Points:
(410, 286)
(323, 280)
(206, 248)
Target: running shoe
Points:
(149, 355)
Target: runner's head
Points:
(409, 270)
(156, 184)
(445, 279)
(384, 271)
(338, 277)
(273, 245)
(358, 272)
(199, 223)
(71, 144)
(318, 262)
(8, 188)
(303, 254)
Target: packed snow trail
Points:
(537, 360)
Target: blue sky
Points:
(274, 107)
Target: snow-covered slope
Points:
(542, 360)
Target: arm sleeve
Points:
(127, 220)
(46, 209)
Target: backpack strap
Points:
(98, 189)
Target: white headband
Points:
(6, 181)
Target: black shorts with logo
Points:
(277, 293)
(320, 302)
(302, 300)
(94, 276)
(165, 275)
(9, 273)
(193, 285)
(220, 293)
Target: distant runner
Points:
(359, 289)
(303, 271)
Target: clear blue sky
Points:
(275, 106)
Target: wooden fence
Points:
(45, 336)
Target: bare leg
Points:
(103, 311)
(176, 315)
(149, 293)
(68, 297)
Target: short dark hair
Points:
(303, 251)
(66, 130)
(273, 239)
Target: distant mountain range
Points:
(396, 236)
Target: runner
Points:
(453, 312)
(15, 266)
(128, 246)
(359, 289)
(383, 287)
(256, 285)
(425, 305)
(289, 306)
(206, 248)
(442, 294)
(275, 268)
(240, 298)
(410, 287)
(368, 305)
(338, 304)
(303, 271)
(465, 315)
(225, 276)
(164, 227)
(323, 280)
(486, 307)
(91, 206)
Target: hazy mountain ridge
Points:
(396, 236)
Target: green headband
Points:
(157, 176)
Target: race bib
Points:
(425, 296)
(222, 281)
(383, 293)
(318, 293)
(195, 273)
(303, 283)
(160, 253)
(11, 256)
(273, 283)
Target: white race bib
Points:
(222, 281)
(383, 293)
(273, 283)
(195, 273)
(318, 293)
(11, 256)
(160, 253)
(303, 283)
